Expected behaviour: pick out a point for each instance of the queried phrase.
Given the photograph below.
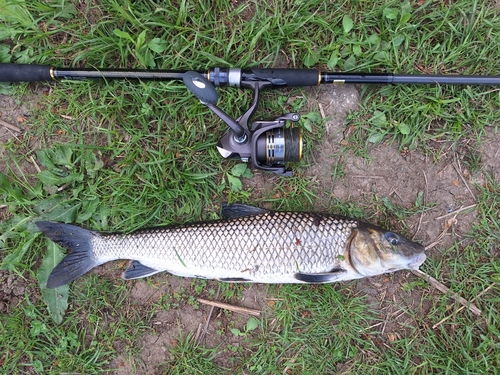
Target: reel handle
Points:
(201, 87)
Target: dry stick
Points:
(205, 328)
(436, 284)
(293, 359)
(321, 111)
(35, 164)
(441, 235)
(423, 204)
(456, 211)
(463, 180)
(366, 176)
(195, 338)
(236, 309)
(10, 126)
(461, 308)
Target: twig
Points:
(347, 370)
(197, 336)
(395, 192)
(462, 307)
(441, 235)
(321, 111)
(456, 211)
(444, 289)
(423, 204)
(293, 359)
(463, 180)
(366, 176)
(236, 309)
(10, 126)
(35, 164)
(61, 188)
(205, 327)
(430, 246)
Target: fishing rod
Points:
(269, 144)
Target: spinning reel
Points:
(269, 144)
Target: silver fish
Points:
(250, 245)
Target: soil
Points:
(442, 180)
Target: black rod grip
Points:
(24, 72)
(283, 77)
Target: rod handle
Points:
(25, 72)
(284, 77)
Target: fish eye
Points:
(393, 238)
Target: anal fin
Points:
(136, 270)
(320, 278)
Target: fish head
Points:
(374, 251)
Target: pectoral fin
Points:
(320, 278)
(136, 270)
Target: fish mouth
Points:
(417, 261)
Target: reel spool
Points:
(279, 145)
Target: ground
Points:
(442, 181)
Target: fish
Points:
(249, 244)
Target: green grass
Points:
(123, 155)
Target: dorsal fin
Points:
(235, 210)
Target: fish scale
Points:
(252, 245)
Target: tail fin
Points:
(79, 259)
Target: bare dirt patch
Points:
(177, 320)
(12, 289)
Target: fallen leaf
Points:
(450, 222)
